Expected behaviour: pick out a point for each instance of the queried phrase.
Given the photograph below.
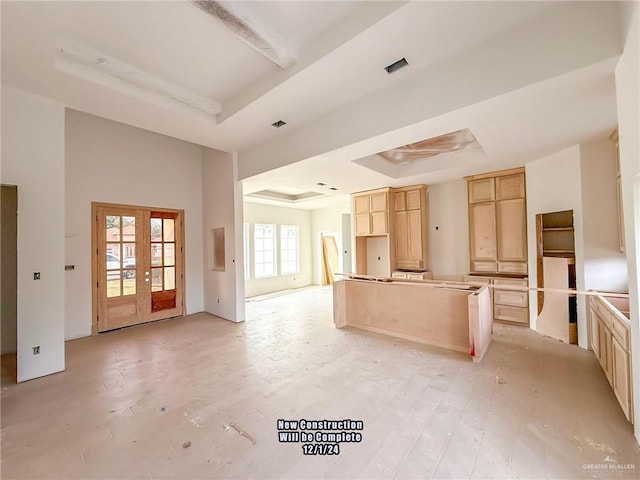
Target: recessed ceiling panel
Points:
(431, 147)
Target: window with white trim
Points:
(289, 250)
(264, 243)
(247, 250)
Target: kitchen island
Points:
(451, 315)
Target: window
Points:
(264, 250)
(245, 236)
(289, 249)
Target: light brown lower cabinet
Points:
(620, 376)
(508, 305)
(609, 333)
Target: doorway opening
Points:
(9, 281)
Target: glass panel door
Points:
(138, 264)
(163, 261)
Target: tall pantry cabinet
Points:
(498, 240)
(498, 222)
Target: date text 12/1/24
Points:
(321, 449)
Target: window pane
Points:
(113, 256)
(169, 278)
(156, 254)
(129, 255)
(169, 254)
(113, 228)
(128, 229)
(259, 270)
(156, 279)
(169, 230)
(245, 237)
(156, 229)
(113, 284)
(129, 282)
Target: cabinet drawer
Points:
(510, 297)
(484, 266)
(621, 332)
(511, 314)
(476, 279)
(515, 282)
(420, 275)
(512, 267)
(399, 275)
(410, 263)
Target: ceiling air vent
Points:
(395, 66)
(278, 124)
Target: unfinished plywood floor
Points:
(130, 400)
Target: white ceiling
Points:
(341, 49)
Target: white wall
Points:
(449, 245)
(326, 220)
(33, 159)
(222, 208)
(257, 213)
(553, 184)
(111, 162)
(628, 98)
(605, 268)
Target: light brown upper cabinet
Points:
(411, 227)
(400, 215)
(483, 190)
(371, 212)
(498, 222)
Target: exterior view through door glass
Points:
(138, 265)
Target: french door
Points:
(138, 267)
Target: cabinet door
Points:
(482, 231)
(511, 216)
(415, 234)
(604, 341)
(595, 334)
(510, 186)
(413, 199)
(400, 201)
(361, 204)
(378, 202)
(379, 223)
(621, 384)
(482, 190)
(402, 235)
(362, 226)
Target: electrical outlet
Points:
(36, 275)
(69, 267)
(36, 350)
